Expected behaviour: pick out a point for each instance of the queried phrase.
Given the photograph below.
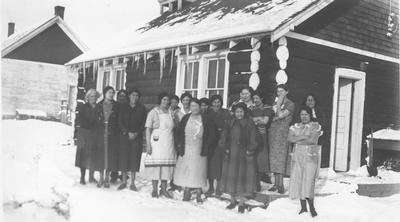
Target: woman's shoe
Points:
(92, 180)
(241, 209)
(198, 199)
(122, 186)
(186, 195)
(82, 181)
(281, 190)
(106, 185)
(231, 206)
(165, 193)
(133, 187)
(154, 194)
(100, 184)
(209, 193)
(313, 212)
(273, 188)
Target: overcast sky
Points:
(94, 21)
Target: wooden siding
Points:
(50, 46)
(358, 23)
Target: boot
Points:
(163, 191)
(312, 208)
(303, 204)
(82, 180)
(154, 193)
(186, 195)
(241, 209)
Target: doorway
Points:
(347, 119)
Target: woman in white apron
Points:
(161, 158)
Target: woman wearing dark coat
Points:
(195, 134)
(318, 116)
(131, 120)
(220, 117)
(84, 123)
(106, 132)
(239, 175)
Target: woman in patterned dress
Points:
(305, 160)
(277, 135)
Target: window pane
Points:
(212, 73)
(188, 76)
(212, 92)
(106, 79)
(195, 75)
(221, 73)
(118, 80)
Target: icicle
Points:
(172, 60)
(145, 62)
(187, 59)
(162, 62)
(95, 70)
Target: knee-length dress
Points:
(305, 163)
(131, 120)
(84, 123)
(239, 173)
(278, 144)
(216, 153)
(159, 165)
(106, 133)
(262, 137)
(191, 168)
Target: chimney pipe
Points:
(11, 28)
(59, 11)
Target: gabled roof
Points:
(211, 20)
(19, 38)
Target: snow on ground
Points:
(41, 184)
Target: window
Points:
(216, 77)
(203, 75)
(120, 79)
(191, 77)
(106, 78)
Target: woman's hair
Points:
(205, 100)
(215, 97)
(175, 97)
(248, 88)
(162, 95)
(240, 105)
(282, 86)
(136, 90)
(186, 94)
(106, 89)
(122, 91)
(90, 92)
(306, 97)
(307, 109)
(195, 100)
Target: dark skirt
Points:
(215, 164)
(239, 174)
(263, 154)
(84, 149)
(106, 151)
(130, 153)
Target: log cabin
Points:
(35, 81)
(346, 52)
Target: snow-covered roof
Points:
(386, 134)
(210, 20)
(17, 39)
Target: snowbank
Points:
(41, 184)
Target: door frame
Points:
(356, 125)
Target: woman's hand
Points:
(149, 150)
(249, 153)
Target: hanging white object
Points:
(281, 77)
(282, 53)
(282, 64)
(254, 81)
(282, 41)
(255, 43)
(255, 56)
(254, 67)
(145, 62)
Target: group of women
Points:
(199, 144)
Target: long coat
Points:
(208, 134)
(84, 123)
(106, 135)
(239, 174)
(215, 153)
(131, 120)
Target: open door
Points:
(343, 131)
(347, 119)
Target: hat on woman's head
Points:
(106, 89)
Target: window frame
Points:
(203, 59)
